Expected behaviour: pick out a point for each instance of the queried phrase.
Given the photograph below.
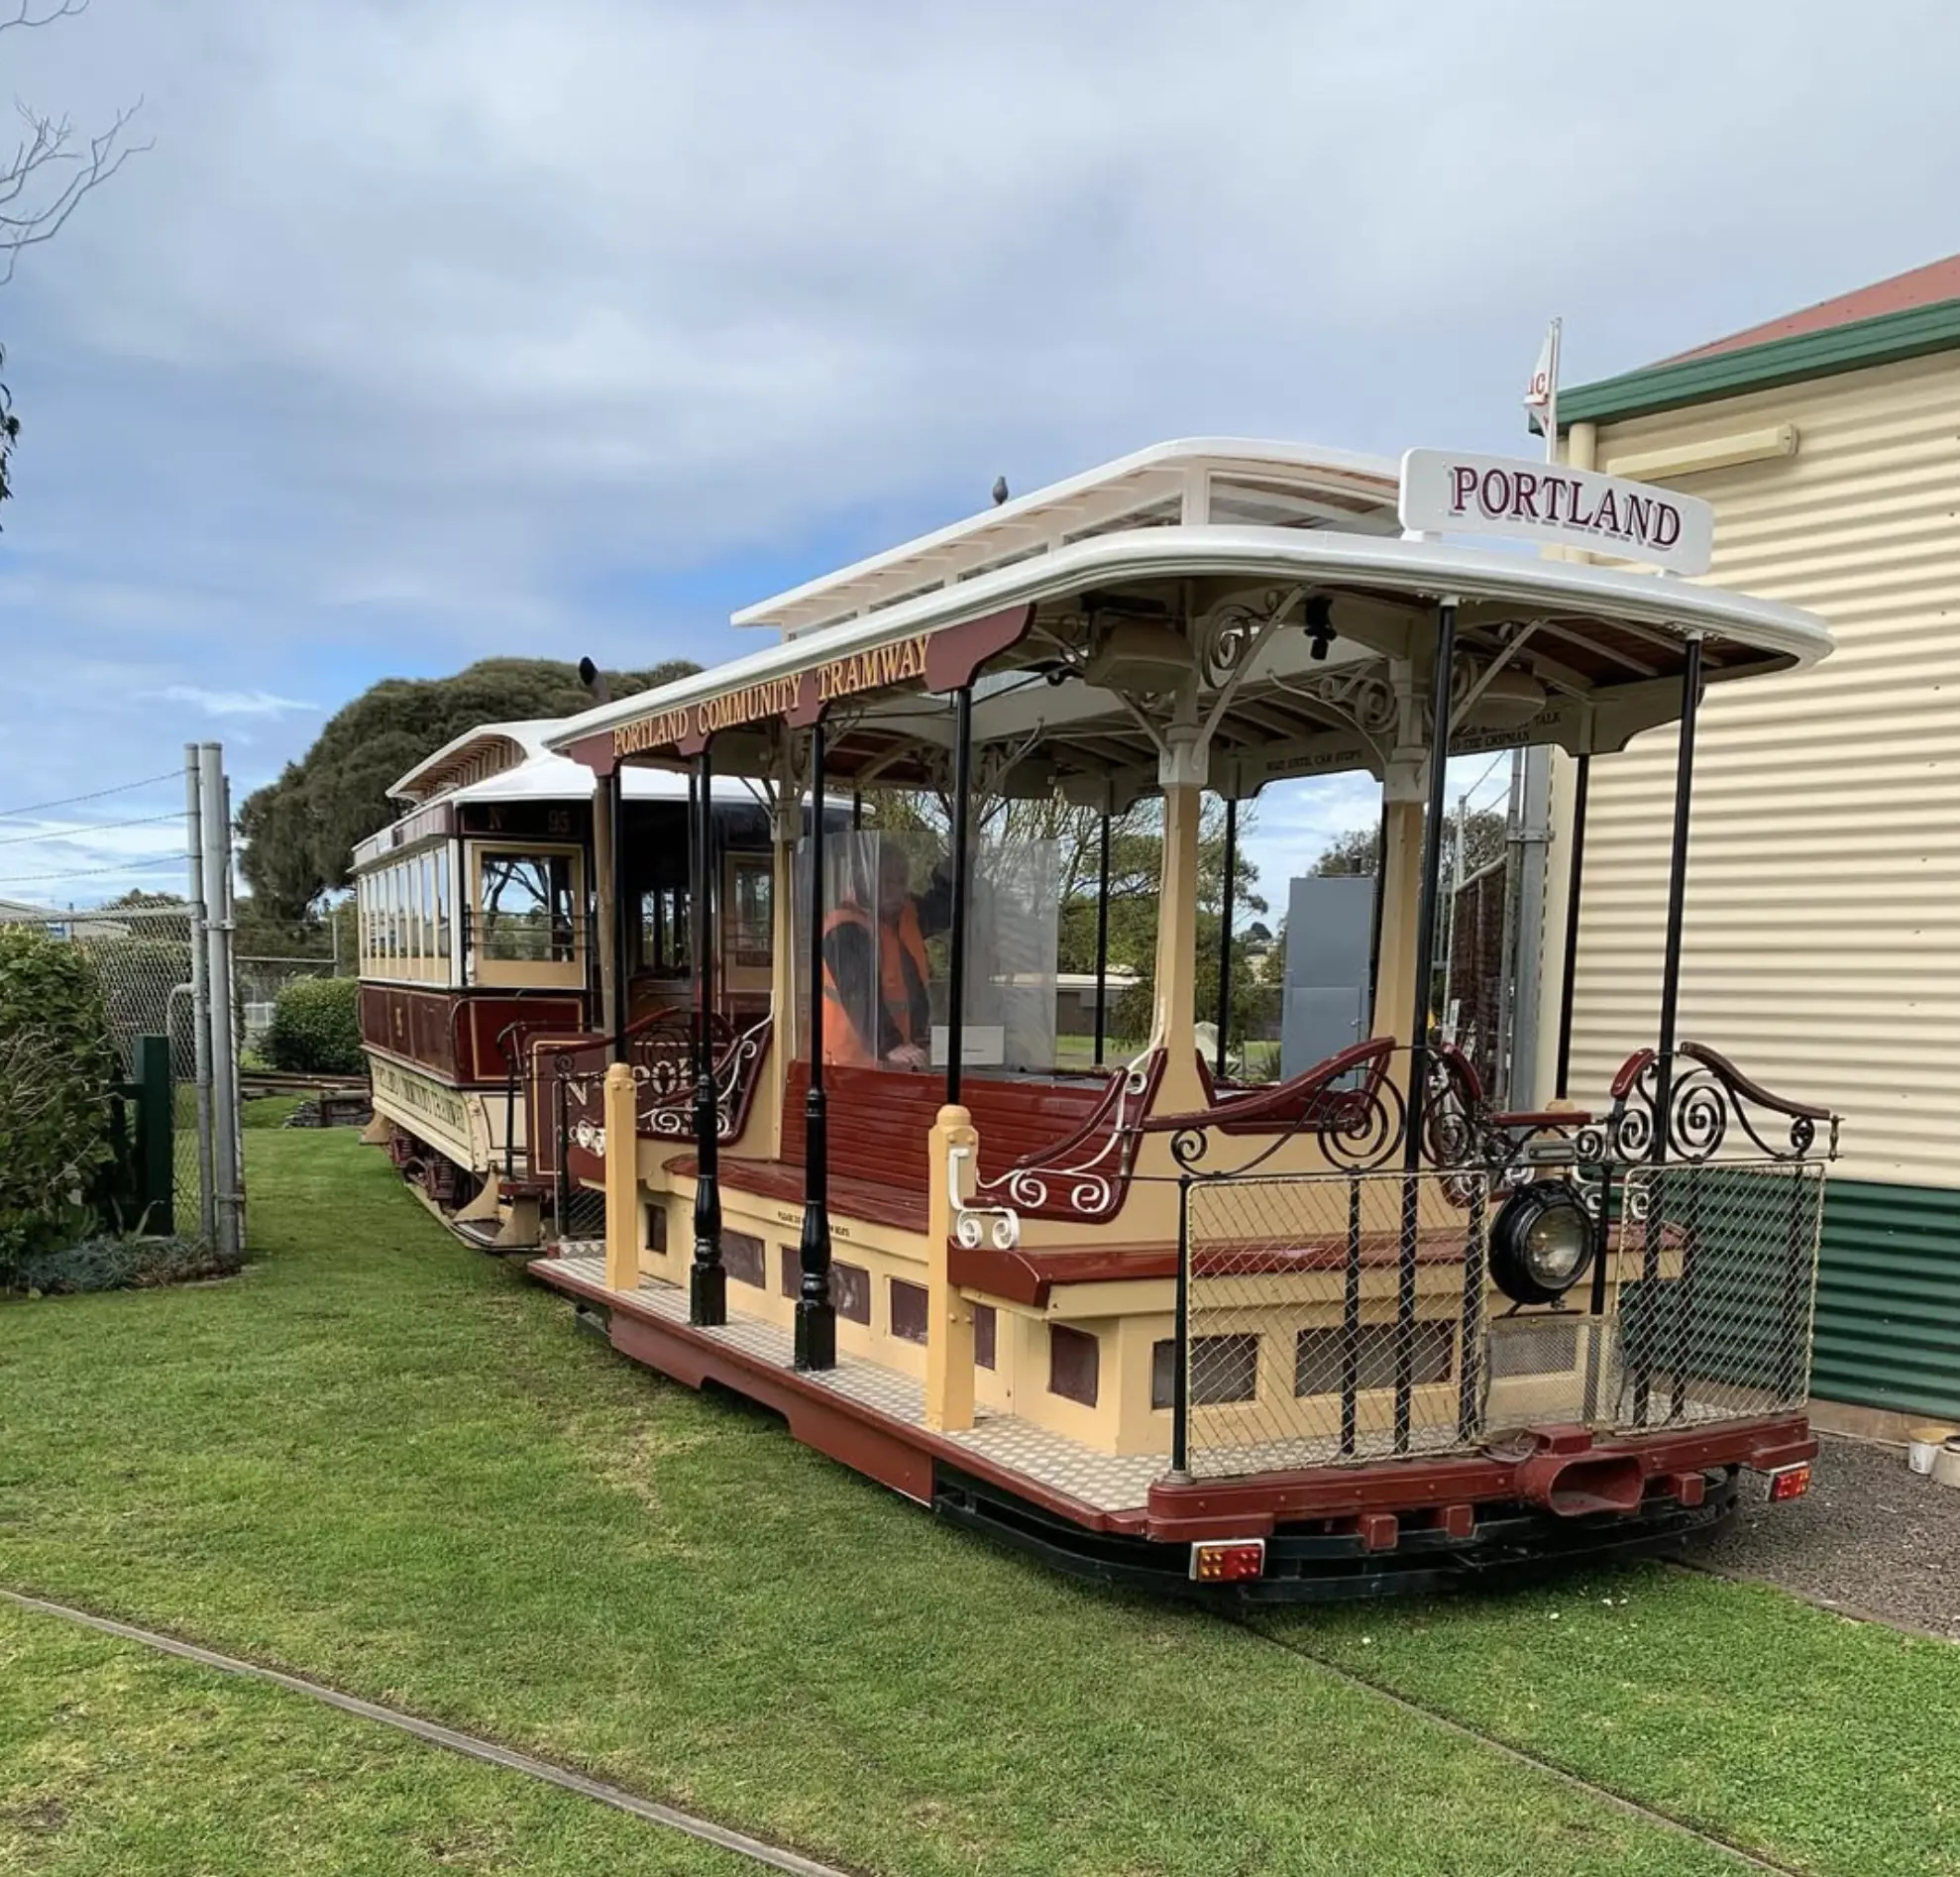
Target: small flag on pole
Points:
(1542, 400)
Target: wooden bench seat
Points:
(879, 1125)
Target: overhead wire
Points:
(94, 794)
(84, 873)
(83, 830)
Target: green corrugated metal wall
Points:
(1889, 1299)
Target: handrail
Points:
(1286, 1101)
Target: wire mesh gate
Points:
(1330, 1317)
(1717, 1324)
(1326, 1319)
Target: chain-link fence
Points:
(1717, 1325)
(155, 958)
(141, 959)
(1332, 1318)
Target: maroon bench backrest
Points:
(878, 1120)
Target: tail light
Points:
(1790, 1483)
(1227, 1560)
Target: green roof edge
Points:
(1882, 340)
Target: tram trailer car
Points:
(1353, 1332)
(479, 910)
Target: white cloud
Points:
(232, 703)
(436, 329)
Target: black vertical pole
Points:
(708, 1280)
(1690, 697)
(857, 810)
(817, 1316)
(1664, 1059)
(1574, 887)
(1433, 829)
(1180, 1378)
(1102, 942)
(956, 944)
(615, 810)
(1227, 909)
(1374, 917)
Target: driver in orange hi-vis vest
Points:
(891, 945)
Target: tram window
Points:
(986, 1329)
(1074, 1360)
(1317, 1357)
(442, 904)
(1222, 1369)
(742, 1258)
(664, 932)
(754, 899)
(850, 1291)
(527, 915)
(908, 1310)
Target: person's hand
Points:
(909, 1055)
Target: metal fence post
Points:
(1180, 1376)
(201, 993)
(227, 1199)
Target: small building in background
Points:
(1824, 888)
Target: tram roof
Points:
(1193, 480)
(1561, 651)
(515, 762)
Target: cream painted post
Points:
(949, 1316)
(1402, 884)
(1178, 950)
(623, 1182)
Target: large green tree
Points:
(300, 831)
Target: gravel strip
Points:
(1870, 1538)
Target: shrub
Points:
(123, 1264)
(316, 1028)
(56, 1070)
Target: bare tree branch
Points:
(29, 214)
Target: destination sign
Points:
(1449, 491)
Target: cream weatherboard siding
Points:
(1823, 892)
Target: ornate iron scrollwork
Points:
(1085, 1175)
(1709, 1103)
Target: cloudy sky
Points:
(428, 329)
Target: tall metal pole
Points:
(227, 1199)
(1434, 832)
(708, 1280)
(817, 1316)
(201, 993)
(956, 943)
(1226, 911)
(1375, 916)
(1690, 699)
(1102, 942)
(1574, 886)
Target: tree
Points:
(53, 167)
(300, 831)
(1483, 833)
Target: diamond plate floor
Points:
(1050, 1460)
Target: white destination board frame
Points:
(1457, 491)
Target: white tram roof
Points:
(515, 762)
(1194, 480)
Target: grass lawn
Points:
(118, 1762)
(384, 1460)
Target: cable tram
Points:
(1351, 1331)
(477, 913)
